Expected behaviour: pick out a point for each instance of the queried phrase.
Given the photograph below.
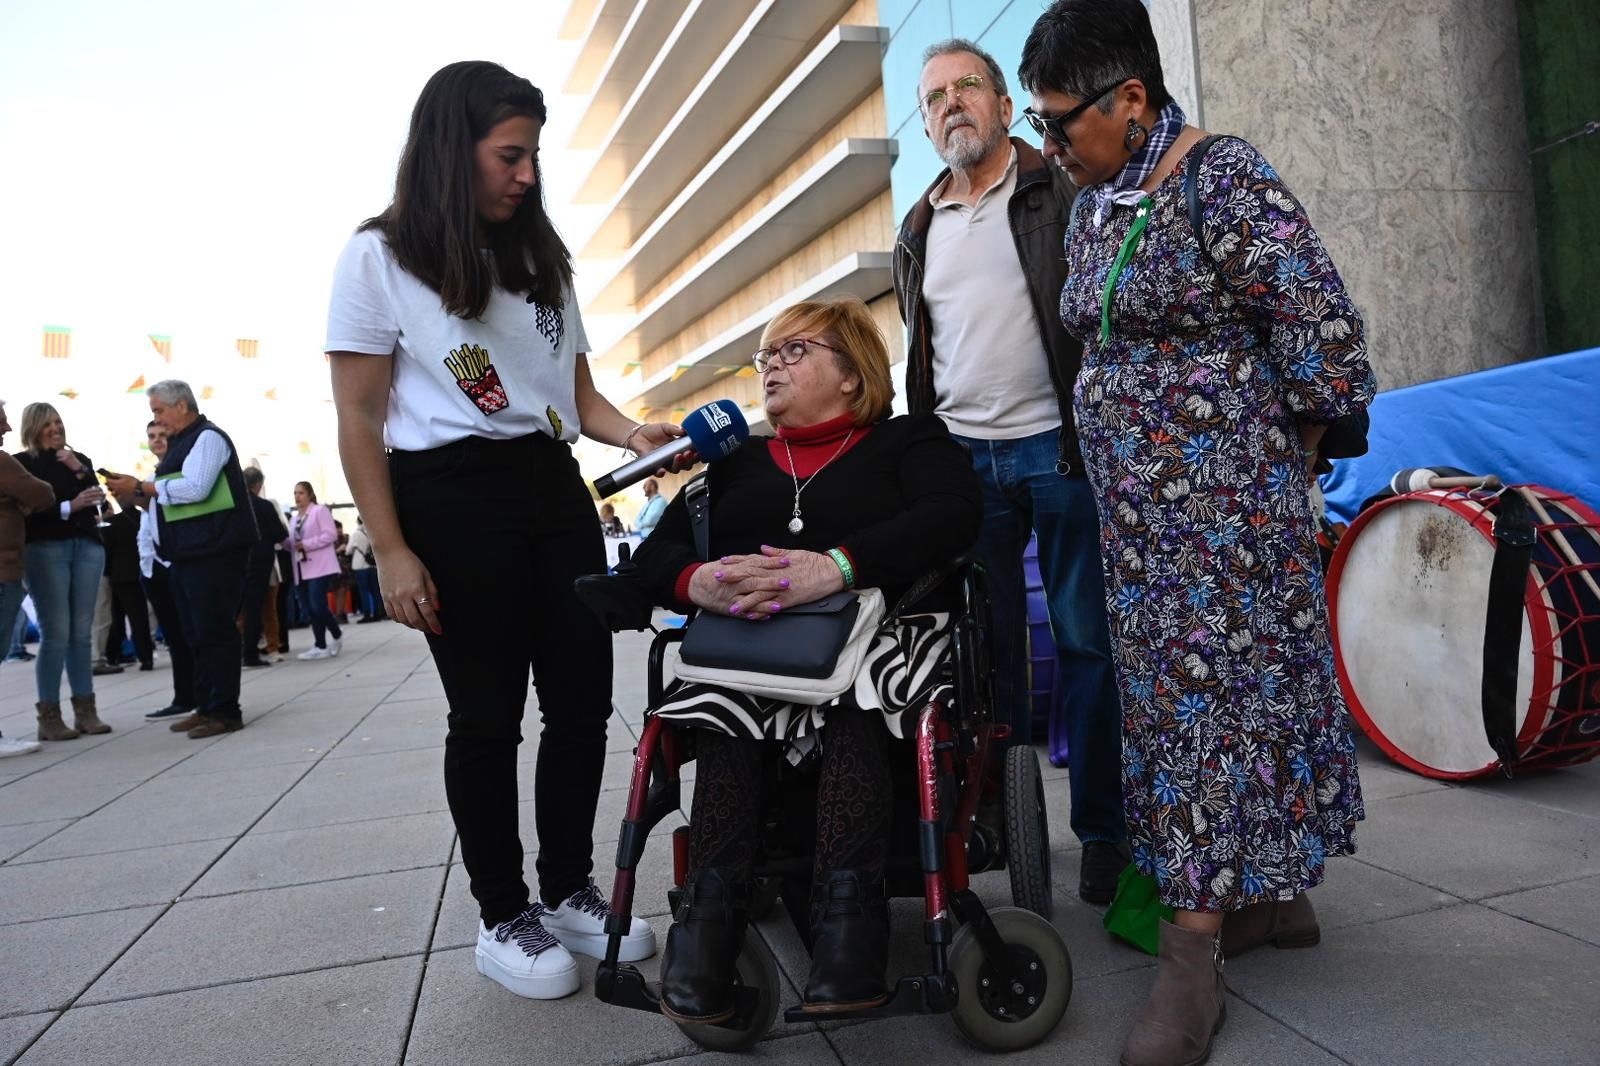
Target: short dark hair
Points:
(432, 225)
(253, 477)
(1077, 47)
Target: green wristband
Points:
(842, 561)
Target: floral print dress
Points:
(1239, 770)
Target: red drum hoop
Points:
(1407, 594)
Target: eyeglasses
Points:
(1055, 126)
(788, 353)
(966, 90)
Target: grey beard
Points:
(967, 152)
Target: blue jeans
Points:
(1023, 494)
(313, 593)
(64, 577)
(11, 596)
(11, 636)
(371, 597)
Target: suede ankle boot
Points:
(702, 947)
(849, 943)
(85, 718)
(1285, 925)
(1187, 1005)
(51, 727)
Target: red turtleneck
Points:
(812, 446)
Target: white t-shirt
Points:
(508, 374)
(991, 373)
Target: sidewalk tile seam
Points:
(21, 860)
(190, 989)
(427, 958)
(319, 881)
(1313, 1041)
(36, 1036)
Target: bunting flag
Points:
(162, 343)
(644, 414)
(628, 368)
(137, 386)
(305, 447)
(71, 394)
(207, 392)
(679, 370)
(721, 370)
(247, 348)
(57, 342)
(678, 413)
(746, 372)
(271, 394)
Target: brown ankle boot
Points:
(1284, 925)
(51, 727)
(1186, 1007)
(86, 718)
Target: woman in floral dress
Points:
(1212, 364)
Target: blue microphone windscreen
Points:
(716, 429)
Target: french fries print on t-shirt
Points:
(476, 376)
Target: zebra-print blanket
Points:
(902, 671)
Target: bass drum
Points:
(1408, 590)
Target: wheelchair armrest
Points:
(620, 600)
(960, 566)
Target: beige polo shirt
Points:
(991, 374)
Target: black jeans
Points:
(158, 587)
(129, 613)
(208, 592)
(257, 575)
(504, 528)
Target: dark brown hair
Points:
(432, 224)
(310, 492)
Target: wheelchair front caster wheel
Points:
(755, 968)
(994, 1015)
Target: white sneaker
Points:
(524, 958)
(579, 922)
(334, 645)
(314, 653)
(17, 747)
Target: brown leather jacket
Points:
(21, 494)
(1039, 210)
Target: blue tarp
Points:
(1535, 422)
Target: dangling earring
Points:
(1134, 137)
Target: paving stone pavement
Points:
(291, 894)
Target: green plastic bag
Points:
(1136, 912)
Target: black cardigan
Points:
(46, 524)
(901, 502)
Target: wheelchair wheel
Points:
(993, 1018)
(1027, 832)
(755, 968)
(763, 895)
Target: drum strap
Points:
(1502, 631)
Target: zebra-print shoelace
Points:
(589, 900)
(528, 929)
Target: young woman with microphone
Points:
(456, 344)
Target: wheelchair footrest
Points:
(625, 987)
(912, 995)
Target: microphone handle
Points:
(640, 468)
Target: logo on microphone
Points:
(477, 377)
(716, 417)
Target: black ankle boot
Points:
(849, 943)
(702, 946)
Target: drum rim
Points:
(1479, 518)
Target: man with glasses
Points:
(978, 272)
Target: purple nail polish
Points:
(717, 575)
(733, 608)
(783, 582)
(776, 607)
(784, 561)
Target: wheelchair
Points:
(1003, 974)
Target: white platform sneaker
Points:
(523, 957)
(579, 922)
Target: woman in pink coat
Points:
(316, 564)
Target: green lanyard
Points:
(1130, 244)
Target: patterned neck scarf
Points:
(1124, 188)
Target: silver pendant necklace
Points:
(796, 524)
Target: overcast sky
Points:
(192, 168)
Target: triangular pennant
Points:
(248, 349)
(162, 343)
(137, 386)
(57, 343)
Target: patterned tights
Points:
(853, 799)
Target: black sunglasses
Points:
(1055, 126)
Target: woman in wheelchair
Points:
(843, 496)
